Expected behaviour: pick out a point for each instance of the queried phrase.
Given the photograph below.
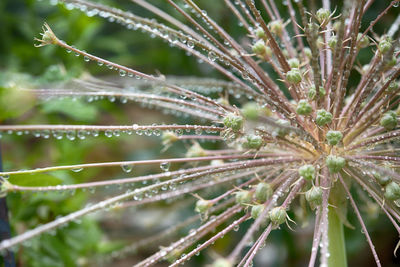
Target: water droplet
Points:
(212, 56)
(127, 168)
(190, 44)
(108, 133)
(77, 169)
(122, 73)
(165, 166)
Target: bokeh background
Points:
(96, 238)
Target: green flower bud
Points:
(385, 45)
(314, 196)
(263, 192)
(254, 141)
(336, 25)
(307, 172)
(312, 92)
(365, 68)
(260, 33)
(333, 137)
(382, 180)
(293, 76)
(195, 151)
(323, 15)
(303, 107)
(389, 120)
(202, 205)
(307, 52)
(173, 255)
(320, 43)
(323, 117)
(294, 63)
(168, 138)
(362, 42)
(256, 211)
(276, 27)
(393, 86)
(391, 63)
(251, 110)
(281, 132)
(332, 42)
(259, 48)
(221, 262)
(335, 163)
(392, 191)
(233, 122)
(244, 197)
(277, 215)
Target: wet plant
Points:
(280, 143)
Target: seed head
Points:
(333, 137)
(335, 163)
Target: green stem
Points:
(337, 248)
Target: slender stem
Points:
(337, 248)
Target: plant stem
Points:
(337, 248)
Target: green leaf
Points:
(13, 102)
(40, 179)
(75, 109)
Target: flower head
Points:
(288, 124)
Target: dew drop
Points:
(77, 169)
(108, 133)
(165, 166)
(127, 168)
(122, 73)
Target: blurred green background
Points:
(24, 66)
